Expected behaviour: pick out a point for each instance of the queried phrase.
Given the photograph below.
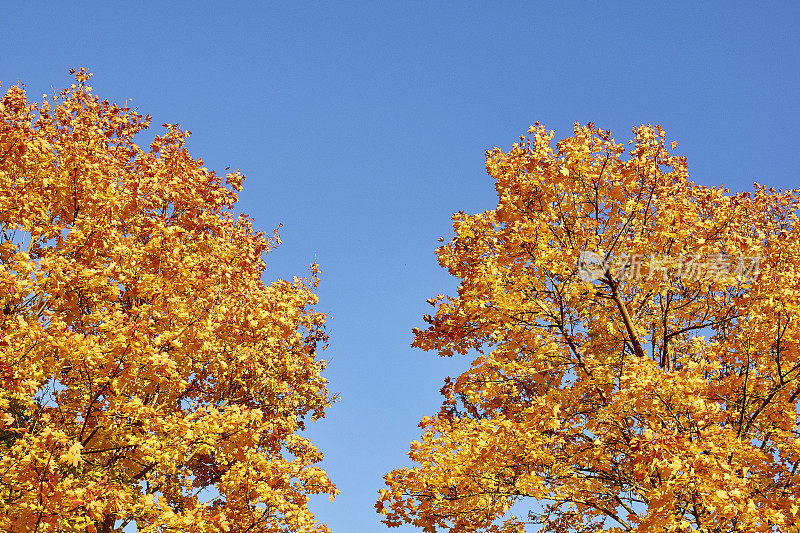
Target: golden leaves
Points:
(143, 358)
(624, 401)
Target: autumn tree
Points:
(636, 343)
(149, 375)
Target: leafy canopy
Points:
(148, 375)
(638, 351)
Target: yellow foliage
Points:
(655, 391)
(149, 375)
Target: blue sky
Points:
(361, 127)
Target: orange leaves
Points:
(654, 389)
(144, 361)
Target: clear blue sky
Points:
(362, 126)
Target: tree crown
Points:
(149, 375)
(638, 366)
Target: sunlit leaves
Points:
(660, 394)
(149, 375)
